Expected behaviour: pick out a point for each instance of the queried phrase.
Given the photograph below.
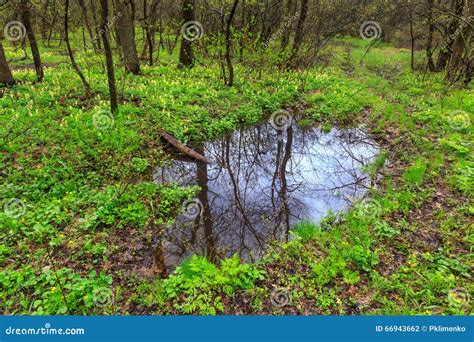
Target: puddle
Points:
(264, 181)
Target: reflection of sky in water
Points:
(263, 182)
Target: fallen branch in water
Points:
(183, 148)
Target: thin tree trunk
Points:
(151, 29)
(96, 18)
(285, 38)
(202, 178)
(87, 23)
(25, 16)
(429, 42)
(44, 21)
(108, 57)
(150, 19)
(299, 31)
(461, 60)
(161, 43)
(228, 43)
(6, 77)
(412, 39)
(146, 30)
(457, 7)
(186, 56)
(76, 67)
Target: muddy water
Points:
(264, 181)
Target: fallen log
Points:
(183, 148)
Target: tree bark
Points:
(76, 67)
(285, 38)
(6, 77)
(108, 57)
(186, 56)
(97, 24)
(126, 36)
(87, 23)
(43, 28)
(299, 31)
(202, 178)
(457, 7)
(429, 41)
(25, 17)
(228, 43)
(412, 40)
(461, 59)
(150, 22)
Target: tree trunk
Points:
(285, 38)
(461, 59)
(457, 7)
(429, 42)
(186, 56)
(87, 23)
(202, 178)
(97, 24)
(43, 27)
(412, 40)
(146, 30)
(108, 57)
(25, 17)
(149, 19)
(6, 77)
(76, 67)
(151, 29)
(299, 31)
(126, 36)
(228, 43)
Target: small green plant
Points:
(306, 230)
(463, 178)
(415, 173)
(326, 128)
(384, 230)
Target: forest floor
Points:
(78, 195)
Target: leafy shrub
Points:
(306, 230)
(27, 290)
(197, 285)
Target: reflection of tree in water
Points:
(263, 182)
